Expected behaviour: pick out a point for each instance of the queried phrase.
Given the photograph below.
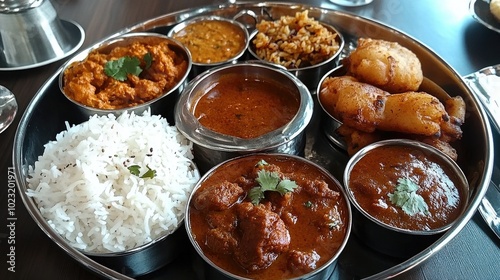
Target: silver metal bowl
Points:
(162, 104)
(199, 67)
(325, 271)
(211, 148)
(309, 75)
(389, 239)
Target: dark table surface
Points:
(445, 26)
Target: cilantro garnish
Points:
(120, 68)
(270, 181)
(148, 58)
(135, 170)
(407, 198)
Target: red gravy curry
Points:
(246, 106)
(283, 236)
(376, 176)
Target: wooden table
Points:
(445, 26)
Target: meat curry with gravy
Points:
(271, 234)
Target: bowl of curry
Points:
(129, 72)
(243, 108)
(212, 40)
(269, 216)
(405, 194)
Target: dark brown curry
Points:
(376, 177)
(283, 236)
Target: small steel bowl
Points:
(211, 148)
(241, 163)
(201, 66)
(309, 75)
(389, 239)
(162, 104)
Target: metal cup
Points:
(30, 33)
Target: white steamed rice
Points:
(85, 191)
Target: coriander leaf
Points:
(308, 204)
(407, 198)
(405, 184)
(148, 58)
(415, 204)
(149, 174)
(134, 169)
(285, 186)
(256, 195)
(269, 181)
(120, 68)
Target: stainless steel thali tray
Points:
(40, 123)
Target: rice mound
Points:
(85, 190)
(295, 41)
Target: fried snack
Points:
(368, 108)
(384, 64)
(357, 139)
(358, 105)
(369, 114)
(455, 106)
(495, 9)
(414, 112)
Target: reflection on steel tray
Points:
(485, 83)
(357, 261)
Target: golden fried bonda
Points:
(415, 113)
(355, 104)
(356, 139)
(368, 108)
(384, 64)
